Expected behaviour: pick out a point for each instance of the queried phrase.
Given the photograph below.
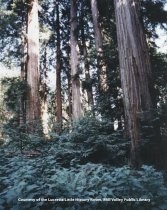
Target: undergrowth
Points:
(90, 162)
(43, 177)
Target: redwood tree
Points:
(33, 101)
(86, 60)
(99, 48)
(76, 96)
(23, 63)
(135, 70)
(58, 70)
(44, 97)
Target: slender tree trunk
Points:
(135, 70)
(76, 96)
(103, 87)
(68, 73)
(23, 48)
(69, 110)
(44, 102)
(33, 100)
(23, 43)
(88, 79)
(23, 65)
(58, 72)
(86, 61)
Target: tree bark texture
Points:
(69, 107)
(103, 86)
(58, 72)
(23, 68)
(86, 61)
(135, 69)
(76, 95)
(88, 78)
(44, 101)
(23, 48)
(33, 100)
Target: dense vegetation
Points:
(84, 125)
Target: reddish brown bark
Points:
(58, 72)
(76, 96)
(44, 102)
(103, 86)
(33, 100)
(23, 68)
(135, 70)
(86, 62)
(69, 108)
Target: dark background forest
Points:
(85, 117)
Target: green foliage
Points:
(154, 133)
(4, 115)
(159, 66)
(150, 11)
(15, 91)
(42, 177)
(90, 140)
(19, 139)
(16, 132)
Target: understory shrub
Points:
(43, 177)
(93, 141)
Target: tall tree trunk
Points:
(135, 69)
(88, 79)
(23, 48)
(44, 102)
(58, 72)
(68, 71)
(33, 100)
(23, 69)
(86, 61)
(76, 96)
(103, 87)
(69, 109)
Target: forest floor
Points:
(58, 177)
